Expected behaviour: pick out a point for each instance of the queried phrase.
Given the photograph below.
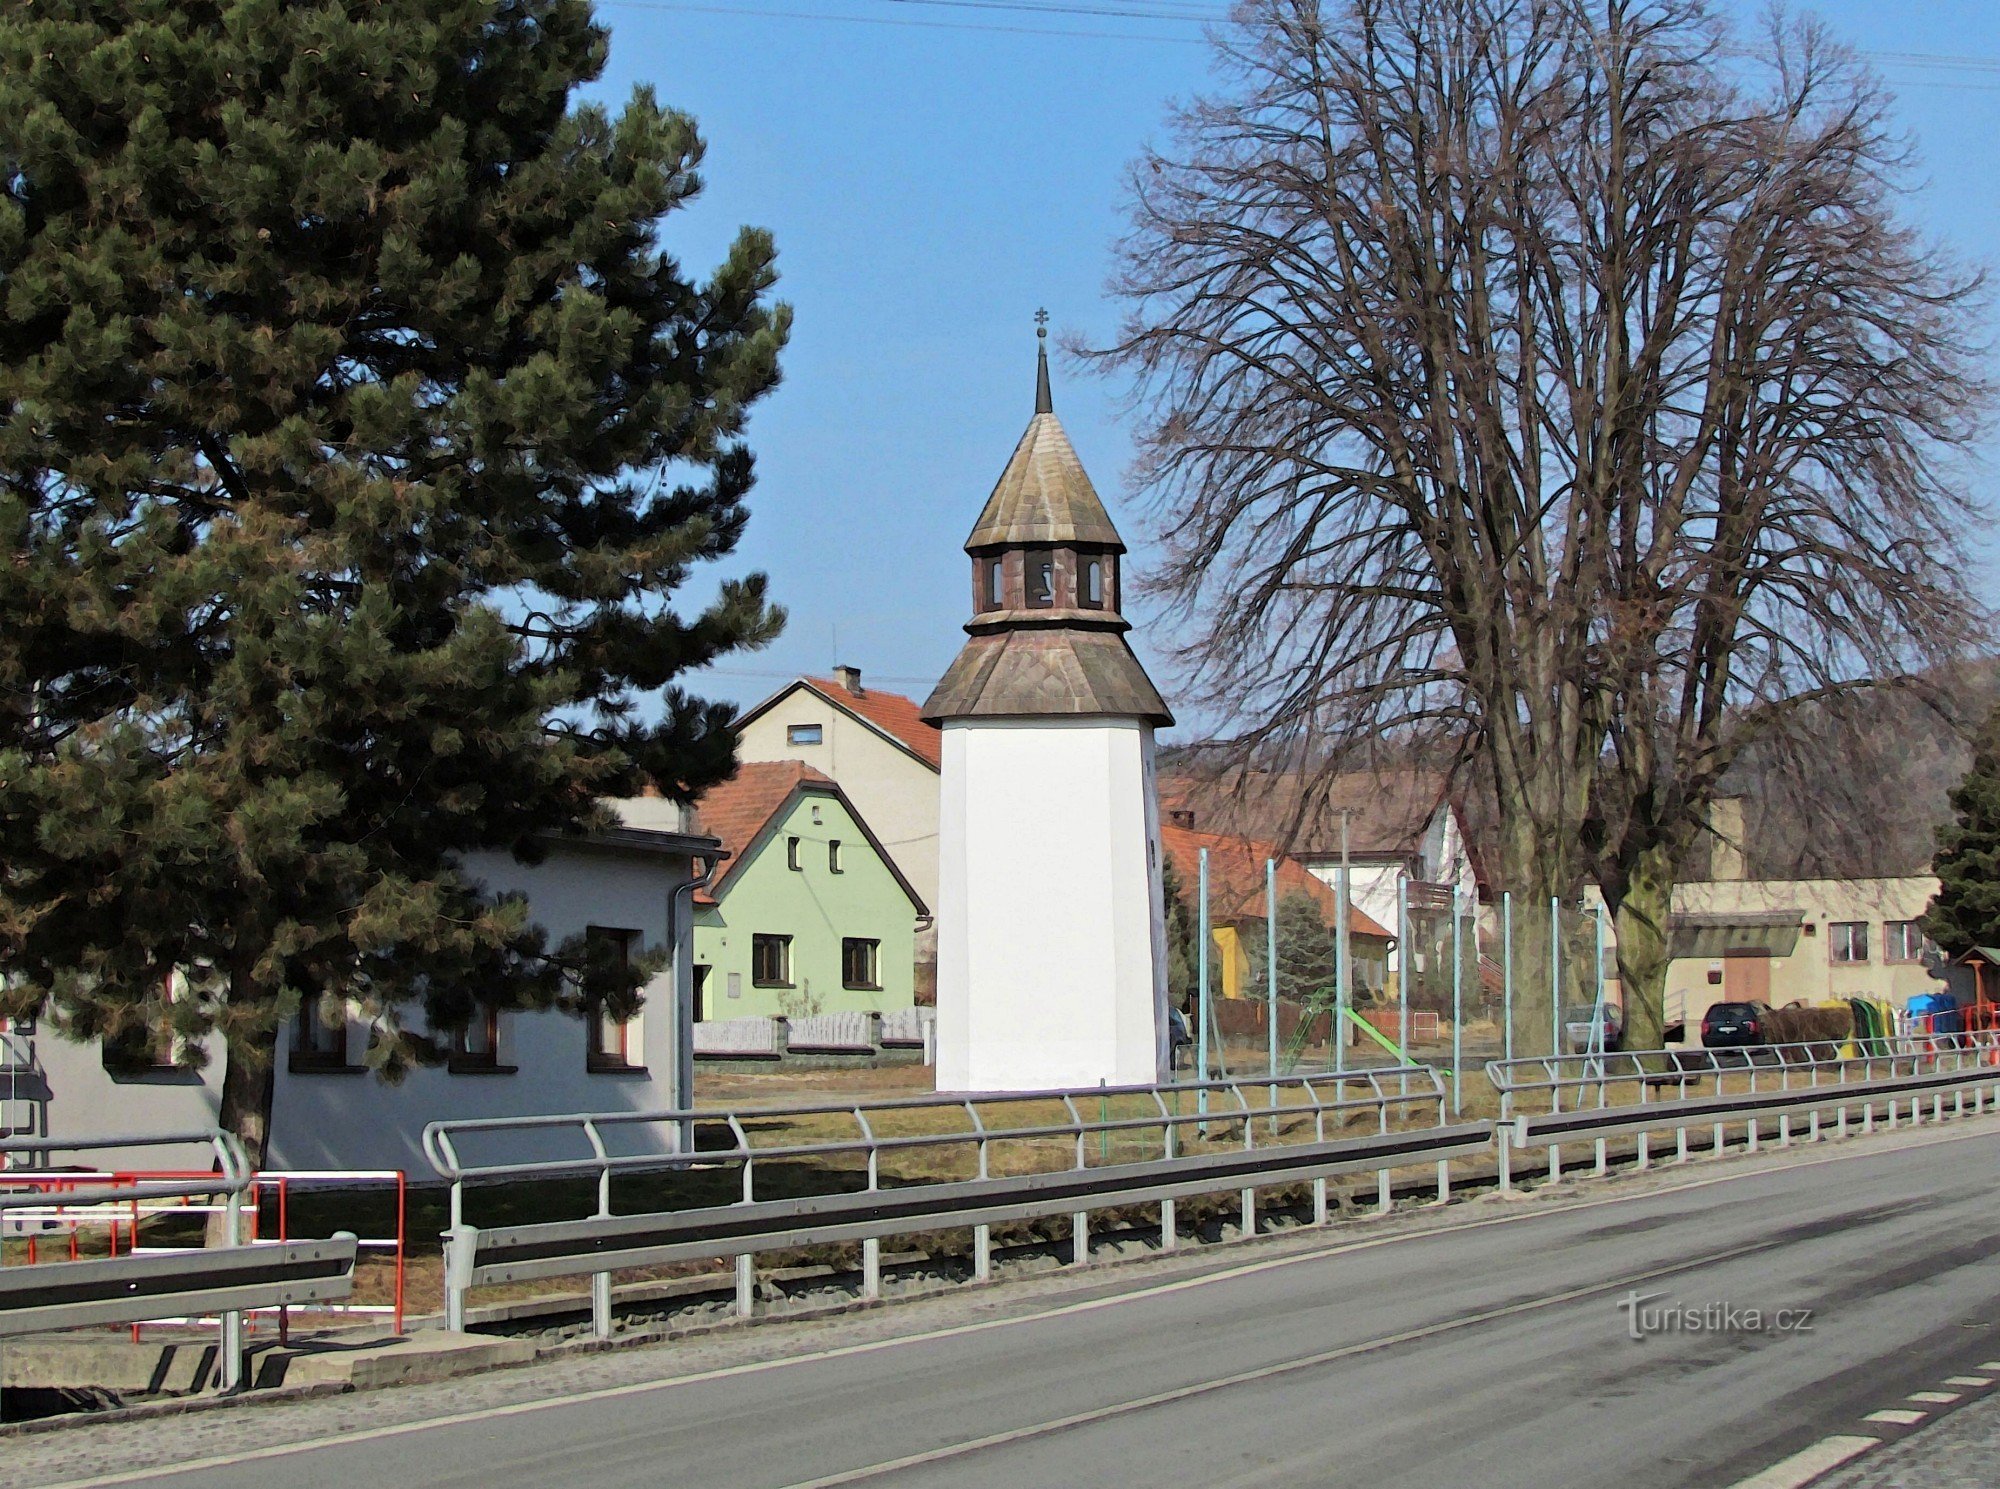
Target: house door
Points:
(1746, 976)
(700, 991)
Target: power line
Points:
(1190, 12)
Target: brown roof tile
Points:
(1236, 878)
(1389, 811)
(892, 713)
(737, 810)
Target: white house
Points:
(329, 1112)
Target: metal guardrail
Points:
(158, 1284)
(139, 1288)
(1302, 1105)
(1579, 1075)
(1812, 1081)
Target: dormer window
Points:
(1040, 574)
(992, 582)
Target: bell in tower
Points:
(1051, 947)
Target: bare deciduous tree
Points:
(1553, 374)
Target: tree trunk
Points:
(1641, 917)
(247, 1086)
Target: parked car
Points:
(1736, 1025)
(1587, 1034)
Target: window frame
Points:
(308, 1055)
(833, 857)
(793, 860)
(992, 584)
(1032, 560)
(608, 1043)
(758, 941)
(1891, 958)
(463, 1059)
(795, 735)
(873, 953)
(162, 1053)
(1844, 936)
(1091, 566)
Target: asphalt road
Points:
(1494, 1353)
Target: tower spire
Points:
(1044, 402)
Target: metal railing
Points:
(1758, 1067)
(1773, 1082)
(142, 1286)
(1301, 1108)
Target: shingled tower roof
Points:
(1044, 495)
(1050, 642)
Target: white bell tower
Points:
(1051, 947)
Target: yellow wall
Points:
(1231, 960)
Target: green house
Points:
(809, 915)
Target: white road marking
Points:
(873, 1346)
(1803, 1468)
(1896, 1418)
(1968, 1380)
(1935, 1398)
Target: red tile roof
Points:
(892, 713)
(1389, 811)
(1236, 878)
(737, 810)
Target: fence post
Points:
(1457, 1008)
(1271, 979)
(1403, 970)
(1201, 994)
(1555, 974)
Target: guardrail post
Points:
(232, 1322)
(1784, 1129)
(1169, 1225)
(746, 1285)
(1555, 1163)
(461, 1247)
(1079, 1239)
(1603, 1158)
(600, 1282)
(1504, 1132)
(1645, 1150)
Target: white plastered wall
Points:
(1051, 964)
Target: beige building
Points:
(885, 759)
(1782, 941)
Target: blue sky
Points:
(934, 172)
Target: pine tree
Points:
(1307, 950)
(357, 438)
(1966, 912)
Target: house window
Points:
(1905, 941)
(1041, 577)
(805, 734)
(1090, 583)
(1847, 941)
(612, 1041)
(992, 583)
(475, 1049)
(833, 857)
(150, 1045)
(315, 1045)
(771, 961)
(792, 855)
(860, 963)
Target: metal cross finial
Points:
(1042, 324)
